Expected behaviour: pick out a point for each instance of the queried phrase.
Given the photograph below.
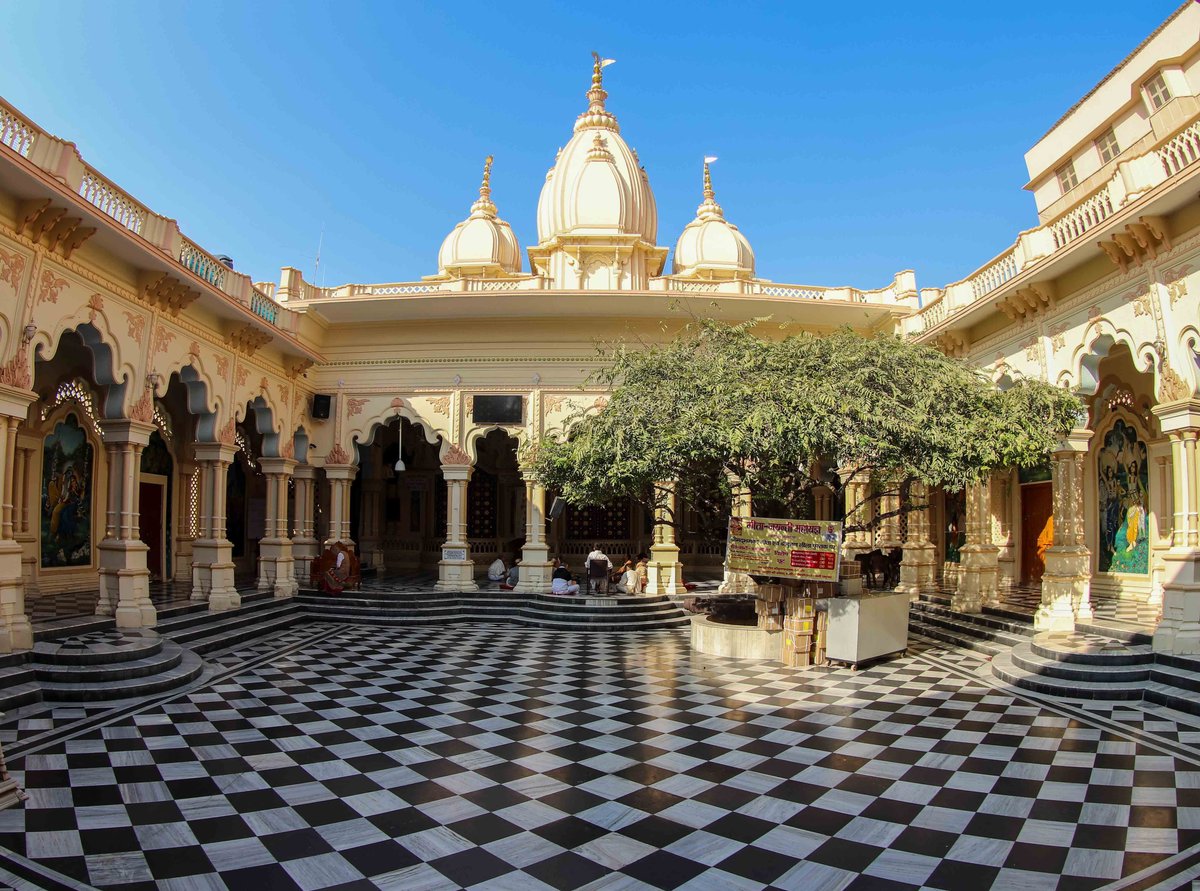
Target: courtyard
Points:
(482, 756)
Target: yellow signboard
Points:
(791, 549)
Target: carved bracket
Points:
(38, 220)
(1141, 241)
(165, 292)
(247, 339)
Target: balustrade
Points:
(203, 263)
(109, 199)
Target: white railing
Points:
(1087, 215)
(932, 314)
(386, 290)
(1181, 151)
(102, 194)
(800, 292)
(204, 264)
(993, 276)
(16, 132)
(698, 287)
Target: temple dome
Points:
(482, 244)
(596, 186)
(711, 246)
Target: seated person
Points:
(561, 581)
(630, 582)
(497, 571)
(514, 574)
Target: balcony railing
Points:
(16, 132)
(109, 199)
(204, 264)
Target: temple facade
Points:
(166, 424)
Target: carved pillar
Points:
(1178, 631)
(857, 491)
(978, 573)
(124, 578)
(370, 527)
(15, 631)
(738, 582)
(1066, 584)
(822, 503)
(889, 527)
(918, 568)
(340, 477)
(535, 555)
(212, 553)
(456, 569)
(1004, 489)
(26, 509)
(664, 571)
(276, 564)
(305, 547)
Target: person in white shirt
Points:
(597, 567)
(497, 572)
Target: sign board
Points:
(457, 555)
(792, 549)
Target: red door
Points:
(152, 529)
(1037, 530)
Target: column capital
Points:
(117, 430)
(341, 471)
(1179, 417)
(460, 472)
(214, 451)
(14, 402)
(304, 472)
(277, 466)
(1075, 441)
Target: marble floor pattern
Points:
(494, 757)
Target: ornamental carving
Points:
(194, 350)
(15, 372)
(95, 305)
(441, 405)
(223, 367)
(50, 288)
(289, 448)
(398, 403)
(1058, 338)
(241, 372)
(162, 340)
(1094, 313)
(227, 434)
(601, 403)
(284, 395)
(11, 267)
(1141, 303)
(456, 456)
(143, 409)
(554, 403)
(1176, 282)
(263, 385)
(137, 325)
(247, 339)
(337, 455)
(470, 404)
(355, 406)
(1171, 387)
(300, 367)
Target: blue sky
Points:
(855, 140)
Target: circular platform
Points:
(735, 641)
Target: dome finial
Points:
(596, 114)
(484, 203)
(709, 207)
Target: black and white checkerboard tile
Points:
(485, 757)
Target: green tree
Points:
(720, 404)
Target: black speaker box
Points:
(320, 406)
(557, 506)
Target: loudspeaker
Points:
(320, 406)
(557, 506)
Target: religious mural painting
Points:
(1123, 480)
(956, 530)
(66, 521)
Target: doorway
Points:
(152, 526)
(1037, 530)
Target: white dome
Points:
(596, 185)
(711, 246)
(482, 244)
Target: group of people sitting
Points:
(602, 577)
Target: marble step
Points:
(357, 606)
(1004, 667)
(974, 644)
(18, 686)
(983, 620)
(1089, 649)
(235, 628)
(54, 629)
(1024, 657)
(1187, 682)
(251, 603)
(1117, 632)
(98, 648)
(167, 656)
(189, 668)
(613, 624)
(1172, 697)
(966, 628)
(1010, 615)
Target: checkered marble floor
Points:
(492, 757)
(1124, 611)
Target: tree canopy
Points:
(782, 416)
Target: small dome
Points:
(482, 244)
(711, 246)
(596, 184)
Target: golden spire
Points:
(596, 114)
(484, 206)
(708, 207)
(708, 189)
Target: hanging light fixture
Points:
(399, 444)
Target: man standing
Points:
(597, 566)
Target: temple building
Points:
(172, 431)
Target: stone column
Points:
(276, 564)
(1004, 488)
(664, 571)
(918, 569)
(370, 532)
(738, 582)
(185, 534)
(340, 477)
(1066, 584)
(888, 538)
(456, 569)
(857, 490)
(124, 578)
(978, 574)
(535, 555)
(212, 553)
(822, 503)
(305, 547)
(1178, 631)
(15, 631)
(26, 505)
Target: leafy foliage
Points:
(782, 416)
